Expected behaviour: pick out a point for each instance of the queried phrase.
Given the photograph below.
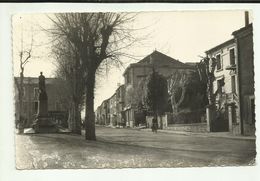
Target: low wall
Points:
(187, 117)
(162, 121)
(194, 127)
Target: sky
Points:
(183, 35)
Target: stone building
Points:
(110, 112)
(103, 113)
(30, 100)
(245, 68)
(136, 72)
(98, 116)
(113, 110)
(225, 71)
(235, 68)
(120, 100)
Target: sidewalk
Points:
(210, 134)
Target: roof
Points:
(248, 27)
(35, 80)
(157, 58)
(228, 42)
(191, 63)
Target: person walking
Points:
(154, 125)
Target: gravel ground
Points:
(124, 148)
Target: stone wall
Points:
(195, 127)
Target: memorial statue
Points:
(41, 82)
(43, 122)
(42, 90)
(42, 99)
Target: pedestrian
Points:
(154, 125)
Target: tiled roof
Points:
(228, 42)
(159, 59)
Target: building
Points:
(225, 71)
(245, 68)
(120, 103)
(103, 113)
(30, 100)
(235, 68)
(137, 72)
(113, 110)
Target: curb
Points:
(203, 134)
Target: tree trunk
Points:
(175, 104)
(21, 92)
(74, 119)
(90, 116)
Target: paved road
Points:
(120, 148)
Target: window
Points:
(57, 106)
(232, 56)
(251, 110)
(128, 79)
(35, 107)
(23, 95)
(36, 92)
(233, 84)
(220, 84)
(252, 106)
(218, 59)
(234, 114)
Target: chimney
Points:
(246, 18)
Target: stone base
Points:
(44, 125)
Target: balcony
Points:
(231, 67)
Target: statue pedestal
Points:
(44, 125)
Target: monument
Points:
(43, 122)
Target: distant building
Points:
(120, 108)
(110, 112)
(136, 72)
(113, 110)
(120, 103)
(235, 68)
(102, 113)
(30, 100)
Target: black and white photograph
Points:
(133, 90)
(145, 89)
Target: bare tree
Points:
(177, 84)
(25, 54)
(70, 71)
(96, 37)
(206, 69)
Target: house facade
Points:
(245, 68)
(227, 99)
(103, 113)
(234, 67)
(120, 103)
(110, 112)
(30, 100)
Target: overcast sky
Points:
(182, 35)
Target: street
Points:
(122, 148)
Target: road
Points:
(122, 148)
